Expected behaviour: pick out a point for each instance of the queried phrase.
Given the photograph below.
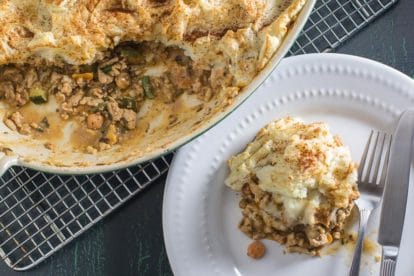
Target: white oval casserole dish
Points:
(31, 153)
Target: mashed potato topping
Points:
(245, 33)
(298, 184)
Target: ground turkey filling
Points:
(308, 239)
(106, 96)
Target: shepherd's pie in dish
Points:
(297, 184)
(125, 69)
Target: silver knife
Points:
(395, 194)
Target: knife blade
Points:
(394, 199)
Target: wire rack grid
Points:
(40, 213)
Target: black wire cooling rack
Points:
(41, 213)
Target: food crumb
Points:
(377, 259)
(370, 246)
(256, 250)
(10, 124)
(49, 146)
(7, 151)
(91, 150)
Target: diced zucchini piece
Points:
(38, 95)
(129, 103)
(94, 69)
(130, 52)
(99, 107)
(146, 85)
(42, 126)
(85, 76)
(106, 69)
(133, 55)
(44, 123)
(39, 129)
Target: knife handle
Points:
(389, 260)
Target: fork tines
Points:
(375, 159)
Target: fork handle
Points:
(356, 260)
(389, 260)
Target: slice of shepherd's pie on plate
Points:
(297, 184)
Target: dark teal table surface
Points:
(130, 241)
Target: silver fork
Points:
(371, 180)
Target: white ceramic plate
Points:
(200, 215)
